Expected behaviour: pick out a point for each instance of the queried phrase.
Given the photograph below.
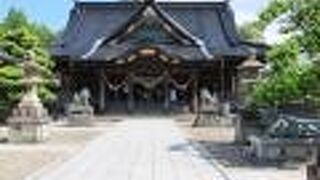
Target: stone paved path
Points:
(137, 149)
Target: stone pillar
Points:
(239, 134)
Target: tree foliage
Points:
(282, 83)
(16, 19)
(289, 79)
(250, 31)
(17, 37)
(301, 20)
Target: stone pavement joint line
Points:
(139, 149)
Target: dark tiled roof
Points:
(211, 22)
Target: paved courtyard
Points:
(136, 149)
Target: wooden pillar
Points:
(130, 101)
(234, 83)
(222, 78)
(195, 99)
(65, 95)
(102, 92)
(167, 94)
(196, 109)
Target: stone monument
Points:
(80, 112)
(29, 119)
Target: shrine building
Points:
(151, 56)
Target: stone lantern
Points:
(248, 74)
(29, 119)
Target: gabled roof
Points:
(209, 26)
(151, 10)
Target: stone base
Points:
(80, 116)
(281, 149)
(212, 119)
(28, 133)
(80, 120)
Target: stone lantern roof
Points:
(251, 63)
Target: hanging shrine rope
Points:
(148, 82)
(116, 87)
(181, 87)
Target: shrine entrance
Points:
(147, 100)
(148, 77)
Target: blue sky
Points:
(54, 13)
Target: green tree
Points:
(301, 20)
(250, 31)
(290, 79)
(282, 83)
(310, 82)
(16, 19)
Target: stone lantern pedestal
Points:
(29, 121)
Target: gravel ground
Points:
(218, 141)
(19, 160)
